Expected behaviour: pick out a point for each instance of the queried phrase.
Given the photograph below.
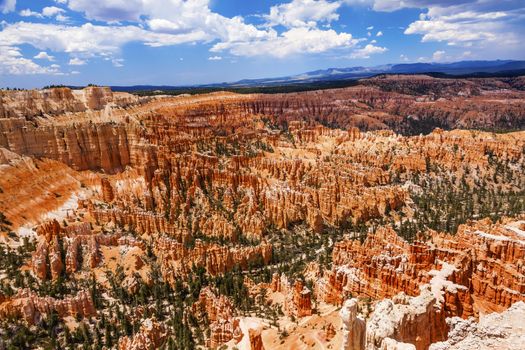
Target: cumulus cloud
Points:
(479, 24)
(438, 55)
(29, 13)
(109, 10)
(214, 58)
(117, 62)
(49, 11)
(367, 51)
(7, 6)
(192, 19)
(75, 61)
(158, 23)
(12, 62)
(87, 39)
(300, 13)
(290, 28)
(469, 23)
(294, 41)
(456, 33)
(42, 55)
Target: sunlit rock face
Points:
(263, 221)
(481, 265)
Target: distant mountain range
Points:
(462, 68)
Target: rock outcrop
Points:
(30, 307)
(354, 326)
(177, 260)
(256, 342)
(297, 296)
(224, 184)
(474, 264)
(151, 336)
(219, 311)
(57, 101)
(418, 321)
(503, 331)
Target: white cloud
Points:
(61, 18)
(214, 58)
(188, 20)
(42, 55)
(109, 10)
(368, 50)
(117, 62)
(370, 28)
(294, 41)
(29, 13)
(380, 33)
(480, 25)
(51, 11)
(453, 33)
(300, 13)
(13, 63)
(76, 62)
(438, 55)
(161, 23)
(466, 54)
(88, 39)
(403, 58)
(7, 6)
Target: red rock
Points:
(107, 190)
(330, 332)
(486, 260)
(30, 307)
(151, 336)
(219, 311)
(255, 339)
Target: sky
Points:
(185, 42)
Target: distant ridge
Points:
(461, 69)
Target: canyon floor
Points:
(386, 215)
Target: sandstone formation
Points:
(473, 265)
(178, 260)
(297, 297)
(255, 339)
(494, 331)
(407, 320)
(30, 307)
(160, 201)
(330, 332)
(56, 101)
(151, 336)
(353, 326)
(220, 313)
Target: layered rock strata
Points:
(30, 307)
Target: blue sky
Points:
(179, 42)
